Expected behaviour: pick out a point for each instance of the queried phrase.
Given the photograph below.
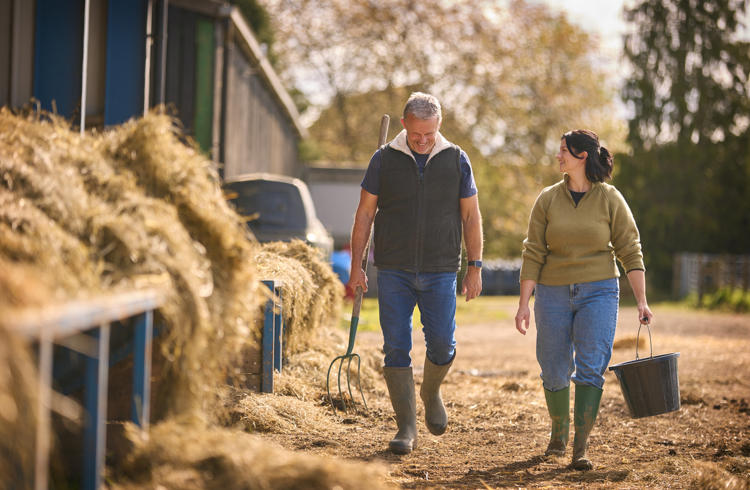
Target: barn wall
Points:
(258, 136)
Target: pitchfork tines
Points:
(347, 358)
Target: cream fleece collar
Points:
(399, 143)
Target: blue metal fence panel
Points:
(83, 327)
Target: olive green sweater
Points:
(568, 244)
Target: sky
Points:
(601, 17)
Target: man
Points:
(420, 191)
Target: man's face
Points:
(420, 133)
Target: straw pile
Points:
(17, 421)
(127, 208)
(311, 293)
(135, 207)
(179, 457)
(712, 477)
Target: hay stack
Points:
(128, 207)
(18, 417)
(135, 207)
(312, 295)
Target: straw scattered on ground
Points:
(193, 457)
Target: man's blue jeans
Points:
(435, 294)
(575, 330)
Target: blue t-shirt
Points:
(371, 181)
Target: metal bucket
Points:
(650, 385)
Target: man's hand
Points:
(472, 283)
(357, 277)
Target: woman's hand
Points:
(522, 318)
(644, 314)
(523, 315)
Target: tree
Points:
(690, 71)
(260, 22)
(511, 77)
(688, 178)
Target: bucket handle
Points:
(637, 340)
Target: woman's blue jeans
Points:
(435, 294)
(575, 330)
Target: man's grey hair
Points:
(423, 106)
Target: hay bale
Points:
(312, 294)
(131, 207)
(127, 207)
(18, 414)
(193, 457)
(20, 287)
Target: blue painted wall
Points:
(126, 47)
(58, 54)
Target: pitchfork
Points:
(355, 320)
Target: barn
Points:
(102, 62)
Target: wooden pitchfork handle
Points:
(384, 121)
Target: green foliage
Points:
(725, 299)
(308, 150)
(688, 177)
(260, 22)
(690, 70)
(688, 198)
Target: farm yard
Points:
(498, 428)
(153, 336)
(99, 213)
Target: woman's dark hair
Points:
(599, 161)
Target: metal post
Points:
(163, 52)
(278, 331)
(95, 431)
(268, 341)
(149, 48)
(144, 332)
(41, 473)
(85, 63)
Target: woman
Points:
(576, 230)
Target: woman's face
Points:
(568, 162)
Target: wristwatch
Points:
(475, 263)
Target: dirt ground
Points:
(498, 425)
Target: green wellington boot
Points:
(558, 405)
(400, 383)
(584, 416)
(435, 416)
